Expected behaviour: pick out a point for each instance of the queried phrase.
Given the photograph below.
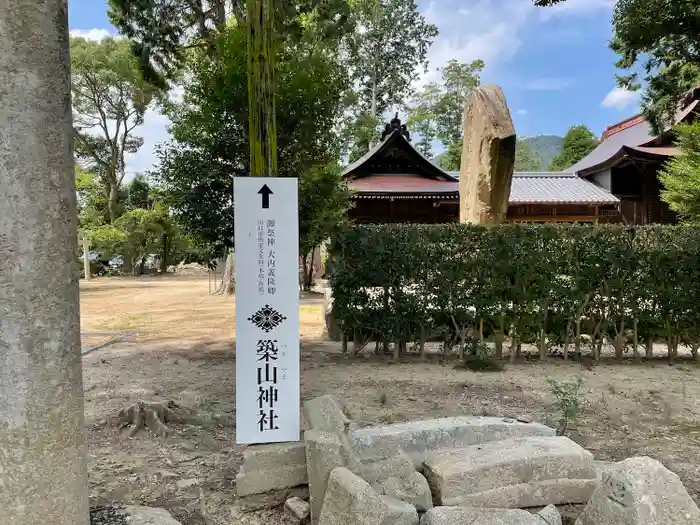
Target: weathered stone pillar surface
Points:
(488, 157)
(42, 456)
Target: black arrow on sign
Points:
(265, 192)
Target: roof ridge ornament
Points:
(396, 125)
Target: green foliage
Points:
(161, 31)
(359, 134)
(540, 284)
(110, 99)
(451, 158)
(210, 137)
(482, 359)
(436, 110)
(387, 48)
(578, 142)
(567, 401)
(681, 176)
(525, 159)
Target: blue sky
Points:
(553, 64)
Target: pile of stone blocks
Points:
(452, 471)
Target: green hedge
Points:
(565, 285)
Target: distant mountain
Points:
(545, 148)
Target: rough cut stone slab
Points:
(271, 468)
(298, 508)
(550, 516)
(149, 516)
(327, 413)
(640, 491)
(270, 457)
(419, 439)
(324, 453)
(350, 500)
(515, 473)
(398, 478)
(262, 481)
(488, 157)
(478, 516)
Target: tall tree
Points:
(662, 39)
(525, 158)
(681, 177)
(424, 116)
(210, 130)
(110, 99)
(386, 51)
(359, 133)
(437, 110)
(458, 80)
(578, 142)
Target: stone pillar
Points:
(488, 157)
(42, 455)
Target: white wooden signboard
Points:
(267, 309)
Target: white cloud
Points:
(522, 112)
(620, 98)
(546, 84)
(91, 34)
(576, 8)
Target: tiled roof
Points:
(527, 188)
(557, 188)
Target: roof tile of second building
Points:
(527, 188)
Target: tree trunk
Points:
(112, 201)
(228, 279)
(650, 347)
(261, 88)
(42, 452)
(142, 266)
(220, 20)
(164, 255)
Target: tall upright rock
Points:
(488, 157)
(42, 455)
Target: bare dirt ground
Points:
(182, 348)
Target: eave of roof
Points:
(396, 137)
(643, 153)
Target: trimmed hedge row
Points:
(547, 285)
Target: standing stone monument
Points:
(488, 157)
(42, 455)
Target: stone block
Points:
(419, 439)
(350, 500)
(262, 481)
(324, 453)
(515, 473)
(640, 491)
(549, 516)
(297, 508)
(478, 516)
(327, 414)
(148, 516)
(272, 457)
(397, 478)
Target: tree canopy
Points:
(210, 130)
(578, 142)
(525, 158)
(110, 100)
(681, 176)
(436, 110)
